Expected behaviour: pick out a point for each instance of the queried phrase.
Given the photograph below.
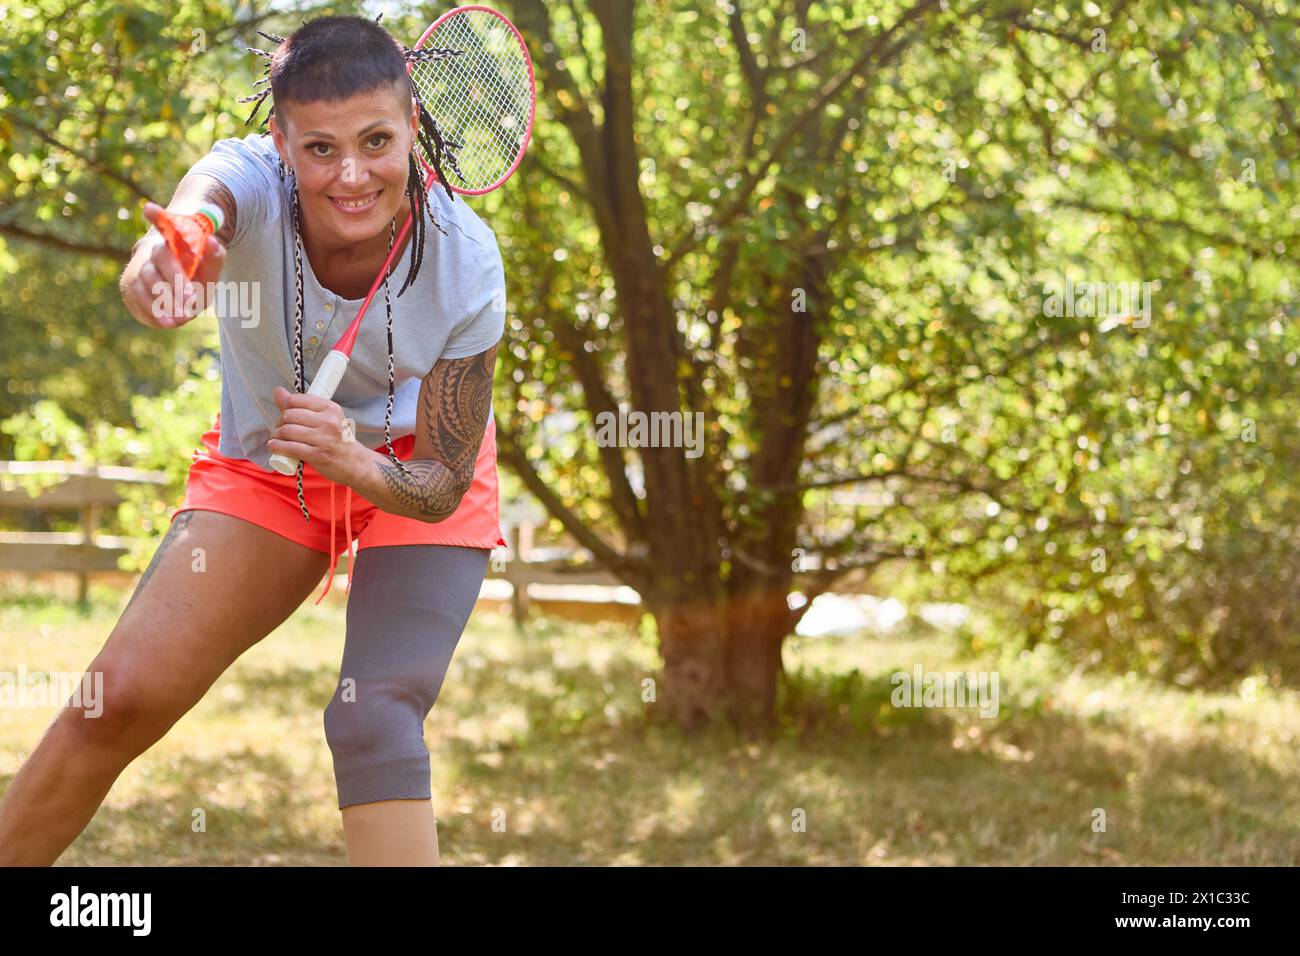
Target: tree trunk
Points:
(692, 640)
(722, 659)
(759, 624)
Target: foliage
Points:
(851, 288)
(1123, 484)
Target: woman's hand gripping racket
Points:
(484, 98)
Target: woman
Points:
(310, 213)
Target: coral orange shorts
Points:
(240, 488)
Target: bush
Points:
(165, 431)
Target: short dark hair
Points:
(334, 58)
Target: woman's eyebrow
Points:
(316, 132)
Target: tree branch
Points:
(508, 450)
(599, 400)
(574, 111)
(1140, 218)
(878, 51)
(65, 245)
(535, 158)
(97, 165)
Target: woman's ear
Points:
(278, 139)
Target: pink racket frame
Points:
(532, 83)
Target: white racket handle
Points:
(327, 379)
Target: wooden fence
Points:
(547, 576)
(66, 486)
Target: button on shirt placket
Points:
(314, 342)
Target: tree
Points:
(104, 106)
(829, 228)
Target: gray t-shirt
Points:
(455, 308)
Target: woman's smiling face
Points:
(351, 161)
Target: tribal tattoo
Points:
(454, 401)
(174, 531)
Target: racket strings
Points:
(477, 94)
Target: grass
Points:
(542, 754)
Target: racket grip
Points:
(327, 380)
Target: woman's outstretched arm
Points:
(152, 262)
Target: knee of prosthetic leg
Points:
(376, 736)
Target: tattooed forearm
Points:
(451, 417)
(178, 526)
(428, 488)
(454, 399)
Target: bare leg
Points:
(391, 833)
(182, 628)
